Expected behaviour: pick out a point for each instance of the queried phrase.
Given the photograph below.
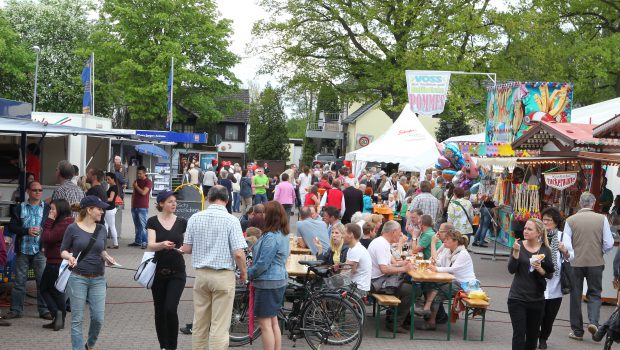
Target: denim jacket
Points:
(245, 187)
(269, 263)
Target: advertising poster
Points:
(427, 91)
(512, 108)
(206, 160)
(185, 159)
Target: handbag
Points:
(118, 201)
(145, 273)
(65, 270)
(566, 271)
(388, 284)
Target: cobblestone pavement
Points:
(129, 322)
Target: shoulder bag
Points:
(65, 270)
(145, 273)
(464, 211)
(565, 274)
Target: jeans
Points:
(166, 295)
(525, 317)
(260, 198)
(54, 299)
(594, 277)
(552, 306)
(22, 263)
(288, 208)
(139, 221)
(236, 202)
(485, 225)
(93, 290)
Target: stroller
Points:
(613, 329)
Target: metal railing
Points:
(328, 126)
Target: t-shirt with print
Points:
(169, 258)
(425, 242)
(138, 200)
(360, 255)
(380, 254)
(260, 180)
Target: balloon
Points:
(474, 189)
(442, 163)
(470, 169)
(458, 177)
(448, 174)
(454, 155)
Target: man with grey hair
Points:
(309, 228)
(426, 202)
(120, 176)
(591, 238)
(215, 240)
(67, 189)
(387, 273)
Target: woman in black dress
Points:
(165, 237)
(530, 263)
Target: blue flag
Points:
(86, 81)
(169, 106)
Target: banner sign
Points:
(512, 108)
(561, 180)
(427, 91)
(172, 136)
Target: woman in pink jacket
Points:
(285, 194)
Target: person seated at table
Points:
(312, 197)
(421, 237)
(387, 274)
(368, 207)
(310, 227)
(337, 251)
(357, 257)
(369, 233)
(439, 253)
(331, 217)
(457, 263)
(244, 219)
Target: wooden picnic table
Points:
(387, 213)
(300, 251)
(294, 268)
(437, 279)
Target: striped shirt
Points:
(427, 203)
(214, 235)
(69, 192)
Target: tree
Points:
(308, 151)
(135, 41)
(16, 60)
(59, 28)
(368, 44)
(296, 127)
(268, 136)
(452, 124)
(327, 100)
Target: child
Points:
(391, 202)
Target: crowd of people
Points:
(433, 221)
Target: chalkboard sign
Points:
(189, 200)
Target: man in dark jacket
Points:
(26, 223)
(353, 202)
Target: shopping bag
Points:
(145, 273)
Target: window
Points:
(231, 133)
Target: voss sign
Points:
(427, 91)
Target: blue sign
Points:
(15, 109)
(172, 136)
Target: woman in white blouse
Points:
(456, 262)
(561, 250)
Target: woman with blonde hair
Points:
(531, 264)
(337, 252)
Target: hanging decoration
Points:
(526, 202)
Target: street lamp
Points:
(449, 125)
(36, 77)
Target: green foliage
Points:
(308, 151)
(134, 43)
(296, 127)
(452, 124)
(327, 101)
(16, 62)
(268, 134)
(58, 27)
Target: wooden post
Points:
(595, 188)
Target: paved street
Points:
(129, 322)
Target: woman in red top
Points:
(53, 232)
(324, 182)
(312, 197)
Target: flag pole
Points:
(92, 83)
(171, 96)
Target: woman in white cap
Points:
(86, 240)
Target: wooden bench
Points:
(471, 306)
(385, 302)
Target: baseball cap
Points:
(163, 195)
(93, 201)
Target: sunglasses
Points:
(36, 190)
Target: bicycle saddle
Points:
(311, 263)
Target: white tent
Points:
(476, 138)
(597, 113)
(406, 142)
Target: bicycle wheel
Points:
(358, 304)
(239, 321)
(330, 321)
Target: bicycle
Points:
(323, 317)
